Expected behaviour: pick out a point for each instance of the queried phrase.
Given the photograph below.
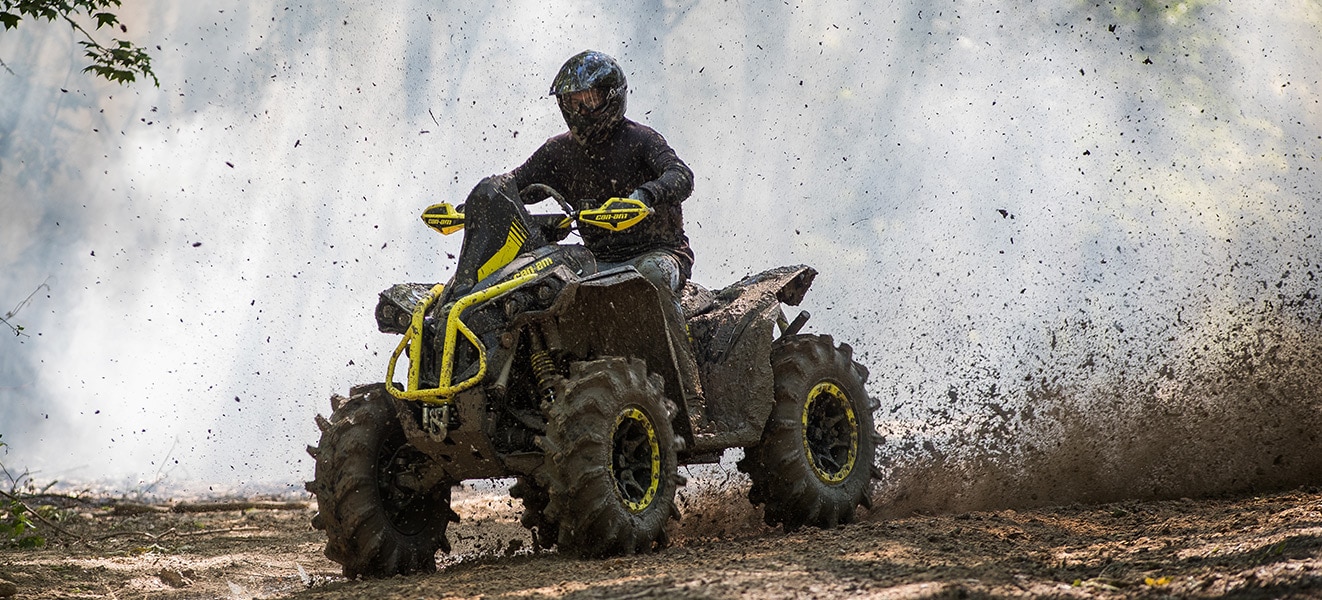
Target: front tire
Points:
(611, 468)
(544, 531)
(814, 462)
(378, 524)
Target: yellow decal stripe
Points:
(513, 242)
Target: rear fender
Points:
(788, 284)
(732, 337)
(718, 326)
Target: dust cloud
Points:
(1073, 242)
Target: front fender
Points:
(618, 313)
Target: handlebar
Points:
(616, 214)
(549, 191)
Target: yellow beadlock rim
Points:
(654, 447)
(829, 392)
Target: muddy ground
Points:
(1250, 546)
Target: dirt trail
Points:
(1263, 546)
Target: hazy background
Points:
(1075, 242)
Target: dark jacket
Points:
(634, 156)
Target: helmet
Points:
(591, 91)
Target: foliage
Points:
(119, 60)
(17, 527)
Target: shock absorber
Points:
(544, 369)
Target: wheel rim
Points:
(635, 460)
(830, 433)
(397, 482)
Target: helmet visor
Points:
(583, 102)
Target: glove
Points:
(643, 196)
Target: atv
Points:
(534, 364)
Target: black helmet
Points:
(590, 116)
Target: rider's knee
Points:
(661, 269)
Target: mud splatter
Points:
(1230, 408)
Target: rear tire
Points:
(611, 471)
(815, 460)
(377, 524)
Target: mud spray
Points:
(1074, 242)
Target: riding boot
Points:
(663, 270)
(682, 345)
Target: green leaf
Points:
(40, 10)
(105, 18)
(119, 61)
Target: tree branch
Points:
(18, 329)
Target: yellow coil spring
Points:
(544, 368)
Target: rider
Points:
(603, 156)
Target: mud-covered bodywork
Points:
(494, 425)
(732, 335)
(617, 313)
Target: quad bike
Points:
(531, 363)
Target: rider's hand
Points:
(643, 196)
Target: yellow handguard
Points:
(444, 392)
(616, 214)
(443, 218)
